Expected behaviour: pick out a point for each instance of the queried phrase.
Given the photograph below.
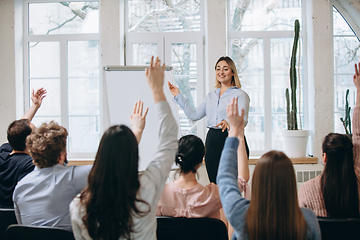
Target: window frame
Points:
(267, 36)
(63, 40)
(164, 41)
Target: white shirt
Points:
(214, 107)
(152, 181)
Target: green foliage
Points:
(292, 114)
(347, 121)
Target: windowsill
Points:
(252, 161)
(303, 160)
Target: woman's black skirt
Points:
(214, 144)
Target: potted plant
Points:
(295, 139)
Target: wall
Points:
(7, 66)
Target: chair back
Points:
(21, 232)
(339, 228)
(190, 228)
(7, 217)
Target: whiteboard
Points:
(124, 86)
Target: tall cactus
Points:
(292, 115)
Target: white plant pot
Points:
(296, 142)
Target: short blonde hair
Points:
(46, 143)
(235, 81)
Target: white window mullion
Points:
(267, 92)
(63, 84)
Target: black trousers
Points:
(214, 144)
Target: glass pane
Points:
(281, 49)
(247, 54)
(51, 104)
(44, 59)
(340, 26)
(84, 134)
(83, 96)
(83, 59)
(63, 18)
(183, 61)
(142, 53)
(164, 16)
(37, 121)
(262, 15)
(346, 54)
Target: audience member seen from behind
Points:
(186, 197)
(15, 161)
(335, 193)
(43, 196)
(118, 202)
(273, 212)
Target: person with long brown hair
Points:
(335, 193)
(118, 202)
(273, 212)
(227, 84)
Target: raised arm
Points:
(237, 126)
(233, 203)
(137, 120)
(36, 98)
(155, 77)
(356, 122)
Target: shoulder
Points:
(5, 148)
(312, 185)
(309, 216)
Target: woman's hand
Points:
(357, 83)
(137, 120)
(223, 125)
(236, 121)
(173, 89)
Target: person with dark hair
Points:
(43, 196)
(186, 197)
(273, 212)
(118, 202)
(227, 86)
(15, 161)
(335, 193)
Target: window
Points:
(346, 55)
(173, 31)
(260, 43)
(61, 48)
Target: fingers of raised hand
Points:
(146, 111)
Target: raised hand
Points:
(155, 77)
(357, 76)
(137, 119)
(223, 125)
(173, 89)
(38, 96)
(236, 121)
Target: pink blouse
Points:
(195, 202)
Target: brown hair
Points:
(235, 81)
(274, 211)
(46, 143)
(17, 132)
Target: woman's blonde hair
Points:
(274, 211)
(235, 81)
(46, 143)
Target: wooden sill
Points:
(80, 162)
(303, 160)
(252, 161)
